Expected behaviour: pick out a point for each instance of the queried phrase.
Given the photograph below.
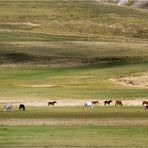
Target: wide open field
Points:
(84, 83)
(75, 127)
(74, 136)
(72, 51)
(107, 115)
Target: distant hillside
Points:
(140, 4)
(131, 3)
(71, 32)
(78, 18)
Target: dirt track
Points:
(99, 122)
(64, 102)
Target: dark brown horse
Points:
(21, 107)
(52, 103)
(146, 107)
(107, 102)
(145, 103)
(95, 102)
(118, 102)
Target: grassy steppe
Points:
(89, 18)
(74, 136)
(62, 113)
(44, 21)
(70, 53)
(48, 26)
(77, 47)
(91, 82)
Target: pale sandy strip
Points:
(99, 122)
(66, 102)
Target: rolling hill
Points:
(71, 32)
(77, 47)
(131, 3)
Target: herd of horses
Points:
(8, 107)
(89, 104)
(92, 103)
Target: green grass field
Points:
(74, 136)
(71, 50)
(90, 82)
(77, 46)
(98, 112)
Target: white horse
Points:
(88, 105)
(7, 107)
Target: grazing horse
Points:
(21, 107)
(95, 102)
(52, 103)
(145, 103)
(7, 107)
(118, 102)
(146, 107)
(88, 105)
(107, 102)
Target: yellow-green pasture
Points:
(80, 18)
(89, 82)
(98, 112)
(74, 136)
(128, 128)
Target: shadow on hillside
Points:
(17, 57)
(24, 58)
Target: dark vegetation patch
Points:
(24, 58)
(16, 57)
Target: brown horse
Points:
(118, 102)
(95, 102)
(145, 103)
(52, 103)
(107, 102)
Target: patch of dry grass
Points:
(135, 80)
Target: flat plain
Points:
(73, 51)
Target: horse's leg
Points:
(145, 108)
(84, 107)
